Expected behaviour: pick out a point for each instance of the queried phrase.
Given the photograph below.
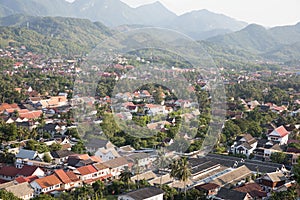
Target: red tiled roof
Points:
(208, 186)
(9, 171)
(89, 169)
(254, 189)
(31, 114)
(72, 176)
(80, 156)
(5, 106)
(62, 176)
(48, 181)
(281, 131)
(13, 171)
(29, 179)
(27, 170)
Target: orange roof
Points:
(48, 181)
(5, 106)
(28, 179)
(96, 158)
(62, 176)
(81, 156)
(89, 169)
(152, 106)
(30, 114)
(10, 110)
(72, 176)
(281, 131)
(23, 111)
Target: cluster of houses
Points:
(213, 174)
(276, 139)
(218, 176)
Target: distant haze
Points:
(264, 12)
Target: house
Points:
(28, 179)
(158, 125)
(183, 103)
(95, 144)
(126, 149)
(149, 175)
(265, 149)
(234, 177)
(273, 180)
(12, 172)
(87, 173)
(22, 190)
(30, 115)
(124, 116)
(61, 156)
(148, 193)
(117, 165)
(209, 189)
(53, 102)
(227, 194)
(5, 106)
(141, 159)
(244, 144)
(153, 110)
(75, 181)
(200, 167)
(27, 154)
(51, 128)
(46, 184)
(79, 160)
(254, 189)
(69, 179)
(107, 154)
(279, 135)
(103, 171)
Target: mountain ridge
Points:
(115, 13)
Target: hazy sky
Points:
(263, 12)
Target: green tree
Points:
(290, 194)
(231, 130)
(44, 197)
(79, 147)
(169, 192)
(47, 158)
(181, 171)
(158, 95)
(125, 176)
(98, 187)
(8, 195)
(55, 147)
(279, 157)
(296, 171)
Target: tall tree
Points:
(125, 176)
(181, 171)
(161, 162)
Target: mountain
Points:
(52, 34)
(197, 24)
(279, 43)
(206, 23)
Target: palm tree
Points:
(137, 170)
(125, 176)
(98, 187)
(180, 170)
(162, 161)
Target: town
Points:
(44, 154)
